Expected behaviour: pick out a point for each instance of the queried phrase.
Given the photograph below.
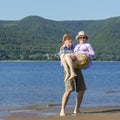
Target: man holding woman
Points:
(73, 59)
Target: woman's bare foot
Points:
(66, 77)
(72, 76)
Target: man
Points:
(75, 84)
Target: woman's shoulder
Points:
(87, 44)
(76, 45)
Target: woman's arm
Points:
(89, 52)
(76, 49)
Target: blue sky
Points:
(59, 9)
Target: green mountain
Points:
(36, 38)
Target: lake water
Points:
(41, 83)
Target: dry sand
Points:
(50, 112)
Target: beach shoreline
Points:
(51, 112)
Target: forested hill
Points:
(36, 38)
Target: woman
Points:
(84, 48)
(81, 57)
(75, 84)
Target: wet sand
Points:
(51, 112)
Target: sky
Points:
(59, 10)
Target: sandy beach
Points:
(50, 112)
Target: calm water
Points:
(38, 83)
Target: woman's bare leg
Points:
(64, 63)
(68, 58)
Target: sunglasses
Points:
(82, 37)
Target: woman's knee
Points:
(68, 56)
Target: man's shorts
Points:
(76, 84)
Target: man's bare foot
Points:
(62, 114)
(76, 111)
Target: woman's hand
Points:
(63, 46)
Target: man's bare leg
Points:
(64, 102)
(79, 98)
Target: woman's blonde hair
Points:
(66, 36)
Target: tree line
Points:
(36, 38)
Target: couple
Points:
(73, 59)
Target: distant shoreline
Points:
(44, 61)
(26, 61)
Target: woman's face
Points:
(68, 42)
(82, 39)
